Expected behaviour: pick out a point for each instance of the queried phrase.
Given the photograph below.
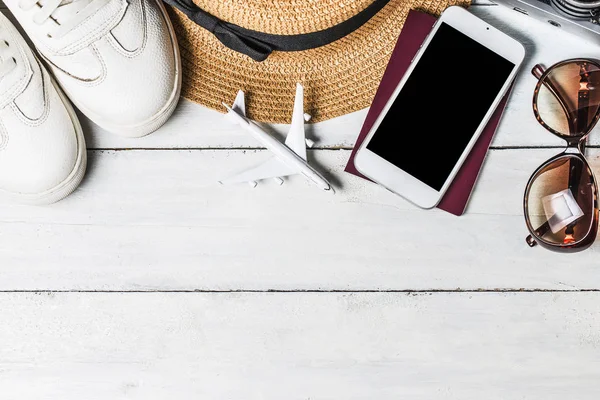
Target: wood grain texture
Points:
(300, 346)
(157, 220)
(518, 127)
(154, 221)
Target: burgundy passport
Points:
(414, 32)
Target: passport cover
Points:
(415, 30)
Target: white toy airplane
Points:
(290, 158)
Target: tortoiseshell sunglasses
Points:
(561, 197)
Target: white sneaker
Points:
(117, 60)
(42, 149)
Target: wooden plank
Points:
(518, 127)
(146, 220)
(300, 346)
(194, 126)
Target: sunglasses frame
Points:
(575, 148)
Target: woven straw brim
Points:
(339, 78)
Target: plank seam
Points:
(316, 291)
(333, 148)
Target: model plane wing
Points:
(272, 168)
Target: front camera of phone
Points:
(488, 28)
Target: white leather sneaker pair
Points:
(116, 60)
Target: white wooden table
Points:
(153, 282)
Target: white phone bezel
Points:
(395, 179)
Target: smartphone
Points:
(440, 107)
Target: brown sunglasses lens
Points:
(568, 98)
(561, 202)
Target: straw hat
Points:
(339, 77)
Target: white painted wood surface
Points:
(518, 127)
(383, 346)
(140, 252)
(157, 220)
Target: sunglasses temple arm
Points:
(574, 168)
(539, 232)
(574, 180)
(538, 70)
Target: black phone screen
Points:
(442, 103)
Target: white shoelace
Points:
(7, 61)
(66, 14)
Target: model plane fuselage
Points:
(290, 158)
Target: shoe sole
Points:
(158, 119)
(70, 183)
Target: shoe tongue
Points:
(79, 24)
(12, 84)
(3, 38)
(5, 53)
(67, 2)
